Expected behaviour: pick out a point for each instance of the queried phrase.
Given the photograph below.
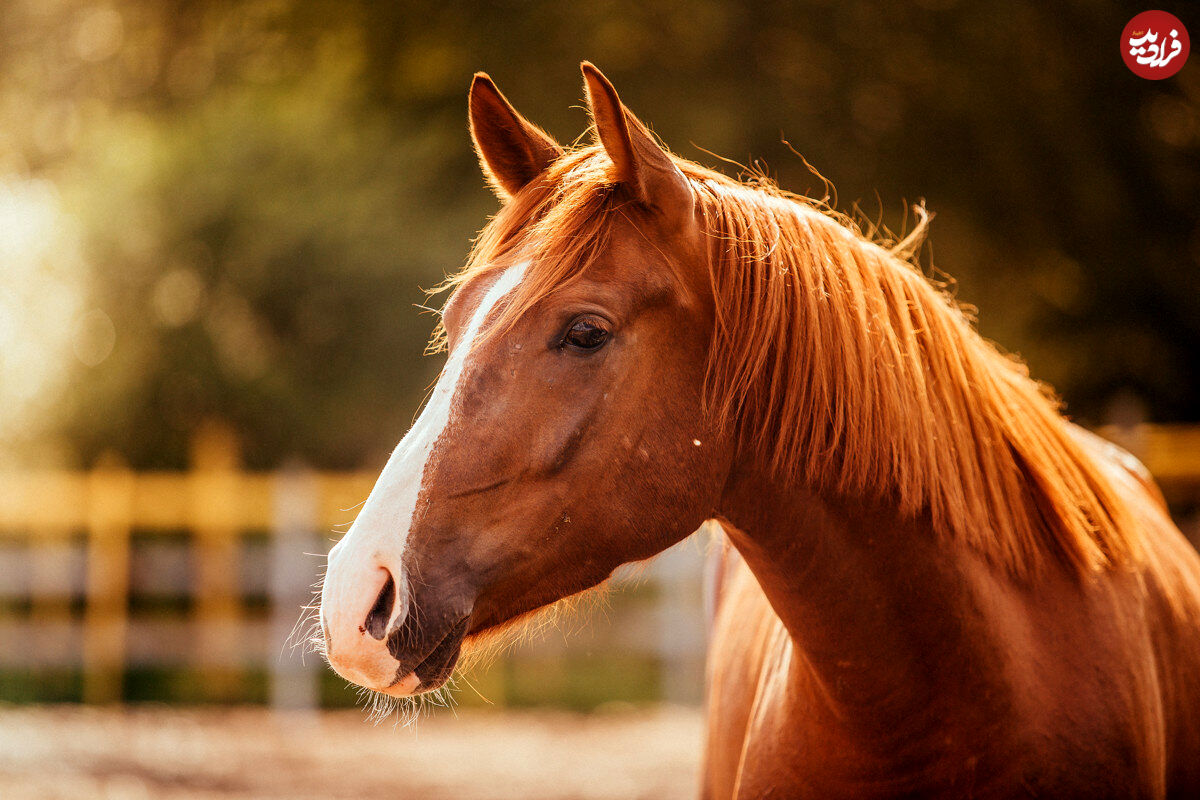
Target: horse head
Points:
(566, 434)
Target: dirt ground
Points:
(79, 752)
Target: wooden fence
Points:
(67, 539)
(296, 513)
(215, 502)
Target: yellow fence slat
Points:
(110, 501)
(163, 501)
(1170, 452)
(341, 495)
(216, 509)
(43, 499)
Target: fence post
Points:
(295, 674)
(216, 509)
(680, 641)
(106, 617)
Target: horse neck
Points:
(884, 617)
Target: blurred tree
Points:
(257, 189)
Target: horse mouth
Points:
(436, 668)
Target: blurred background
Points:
(216, 222)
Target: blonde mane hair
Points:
(840, 362)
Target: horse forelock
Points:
(842, 364)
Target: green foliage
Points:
(41, 685)
(258, 190)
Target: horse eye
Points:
(586, 333)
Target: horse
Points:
(930, 582)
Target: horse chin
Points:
(435, 669)
(403, 687)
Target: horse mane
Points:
(844, 366)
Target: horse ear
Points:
(512, 150)
(638, 161)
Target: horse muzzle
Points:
(379, 634)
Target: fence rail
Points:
(64, 517)
(1170, 452)
(216, 503)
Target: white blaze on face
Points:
(376, 540)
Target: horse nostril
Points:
(377, 620)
